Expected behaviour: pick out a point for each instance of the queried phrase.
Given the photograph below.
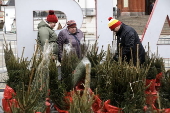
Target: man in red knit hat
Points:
(128, 39)
(46, 32)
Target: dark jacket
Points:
(129, 39)
(64, 37)
(151, 7)
(45, 32)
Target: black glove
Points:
(116, 57)
(59, 59)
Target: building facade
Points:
(134, 7)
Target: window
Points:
(40, 15)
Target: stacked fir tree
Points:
(121, 82)
(29, 79)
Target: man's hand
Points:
(53, 57)
(59, 59)
(116, 57)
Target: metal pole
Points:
(96, 17)
(4, 21)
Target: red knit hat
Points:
(51, 17)
(71, 23)
(113, 23)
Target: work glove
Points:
(116, 57)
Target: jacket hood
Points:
(43, 24)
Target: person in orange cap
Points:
(128, 39)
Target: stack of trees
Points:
(121, 83)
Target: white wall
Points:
(90, 3)
(86, 3)
(104, 11)
(154, 27)
(114, 3)
(81, 3)
(24, 19)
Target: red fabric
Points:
(150, 84)
(151, 93)
(47, 103)
(48, 109)
(80, 85)
(8, 101)
(151, 98)
(52, 17)
(59, 110)
(167, 110)
(71, 23)
(97, 104)
(158, 77)
(158, 81)
(67, 97)
(110, 18)
(107, 108)
(8, 92)
(153, 107)
(145, 108)
(7, 104)
(115, 25)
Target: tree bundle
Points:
(29, 79)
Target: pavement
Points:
(1, 96)
(9, 37)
